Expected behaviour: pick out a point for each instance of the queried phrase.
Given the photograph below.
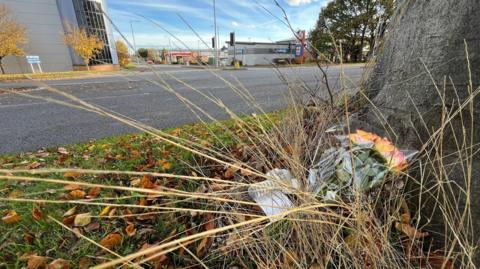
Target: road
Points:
(27, 124)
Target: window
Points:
(90, 16)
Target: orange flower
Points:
(363, 138)
(396, 160)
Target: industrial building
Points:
(262, 53)
(46, 20)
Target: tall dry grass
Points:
(359, 232)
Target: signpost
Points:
(34, 59)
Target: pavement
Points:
(28, 124)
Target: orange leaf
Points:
(11, 217)
(410, 231)
(70, 212)
(130, 229)
(76, 194)
(37, 214)
(202, 246)
(228, 174)
(69, 220)
(37, 262)
(210, 224)
(440, 262)
(94, 192)
(112, 240)
(84, 263)
(28, 237)
(59, 264)
(147, 183)
(72, 175)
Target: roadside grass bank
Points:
(56, 75)
(44, 223)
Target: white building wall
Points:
(44, 27)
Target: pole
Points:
(134, 42)
(215, 29)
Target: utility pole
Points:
(216, 36)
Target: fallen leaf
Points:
(93, 192)
(83, 219)
(70, 212)
(105, 211)
(69, 220)
(147, 183)
(202, 246)
(37, 214)
(76, 194)
(130, 229)
(92, 227)
(410, 231)
(59, 264)
(228, 174)
(28, 237)
(84, 263)
(72, 187)
(72, 175)
(11, 217)
(62, 150)
(35, 165)
(440, 262)
(111, 241)
(37, 262)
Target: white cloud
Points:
(235, 24)
(297, 3)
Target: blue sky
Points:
(247, 18)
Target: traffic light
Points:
(232, 39)
(213, 42)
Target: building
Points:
(46, 20)
(262, 53)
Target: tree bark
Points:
(1, 65)
(429, 36)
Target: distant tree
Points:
(12, 35)
(122, 52)
(351, 23)
(84, 44)
(142, 52)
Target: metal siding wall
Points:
(44, 27)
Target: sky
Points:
(248, 18)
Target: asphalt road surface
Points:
(28, 124)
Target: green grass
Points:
(139, 152)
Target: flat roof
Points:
(261, 43)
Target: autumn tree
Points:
(122, 52)
(12, 35)
(86, 45)
(352, 23)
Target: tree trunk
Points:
(1, 65)
(429, 35)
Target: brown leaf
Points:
(72, 175)
(62, 150)
(37, 214)
(210, 224)
(147, 183)
(158, 261)
(72, 187)
(82, 219)
(440, 262)
(59, 264)
(93, 192)
(28, 237)
(70, 212)
(11, 217)
(202, 246)
(112, 240)
(228, 174)
(76, 195)
(37, 262)
(130, 229)
(410, 231)
(69, 220)
(84, 263)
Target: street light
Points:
(134, 42)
